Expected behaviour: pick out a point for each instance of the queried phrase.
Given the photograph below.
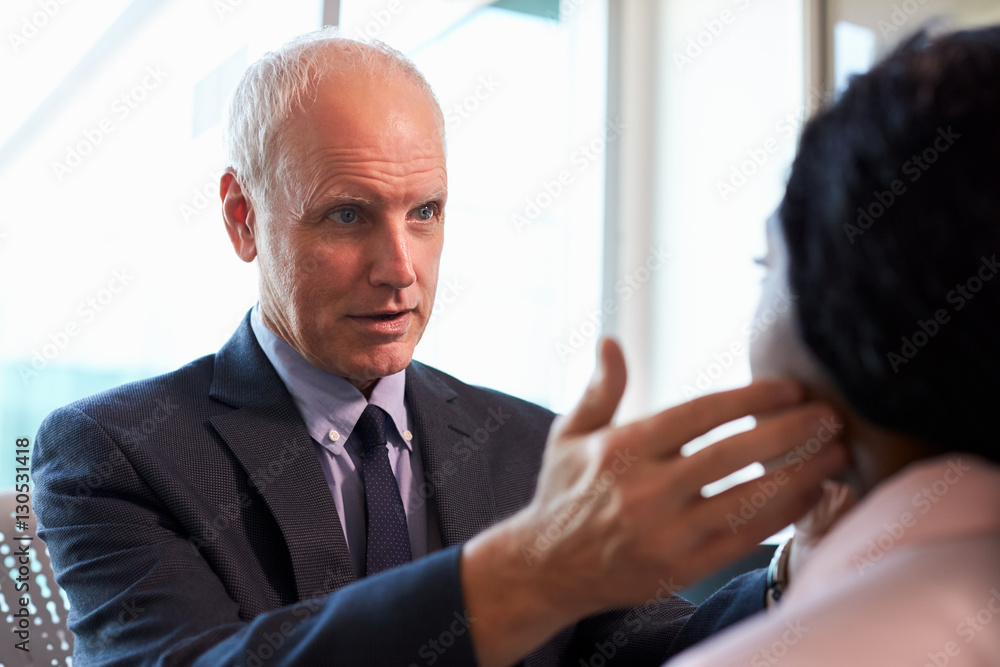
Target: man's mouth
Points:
(384, 322)
(386, 316)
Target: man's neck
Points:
(364, 386)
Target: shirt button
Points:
(407, 436)
(334, 435)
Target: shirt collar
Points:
(330, 405)
(949, 497)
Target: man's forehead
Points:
(402, 157)
(344, 86)
(356, 111)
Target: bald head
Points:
(284, 82)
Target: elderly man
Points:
(310, 495)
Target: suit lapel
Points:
(268, 437)
(461, 484)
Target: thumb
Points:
(601, 397)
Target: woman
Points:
(888, 235)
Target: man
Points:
(270, 514)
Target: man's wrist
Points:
(507, 596)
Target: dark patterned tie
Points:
(385, 518)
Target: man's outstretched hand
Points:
(618, 508)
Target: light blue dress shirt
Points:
(330, 407)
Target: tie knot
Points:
(371, 427)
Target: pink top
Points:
(911, 576)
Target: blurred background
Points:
(611, 165)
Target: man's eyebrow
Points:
(437, 194)
(348, 197)
(341, 196)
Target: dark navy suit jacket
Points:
(190, 523)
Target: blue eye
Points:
(426, 212)
(346, 216)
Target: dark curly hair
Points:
(892, 222)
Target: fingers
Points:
(716, 531)
(761, 507)
(671, 429)
(601, 397)
(773, 438)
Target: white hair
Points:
(280, 83)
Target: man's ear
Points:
(239, 215)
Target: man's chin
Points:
(368, 367)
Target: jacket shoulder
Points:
(136, 409)
(475, 396)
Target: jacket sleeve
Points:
(740, 598)
(653, 632)
(141, 594)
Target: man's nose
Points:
(391, 263)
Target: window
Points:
(114, 258)
(522, 85)
(733, 99)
